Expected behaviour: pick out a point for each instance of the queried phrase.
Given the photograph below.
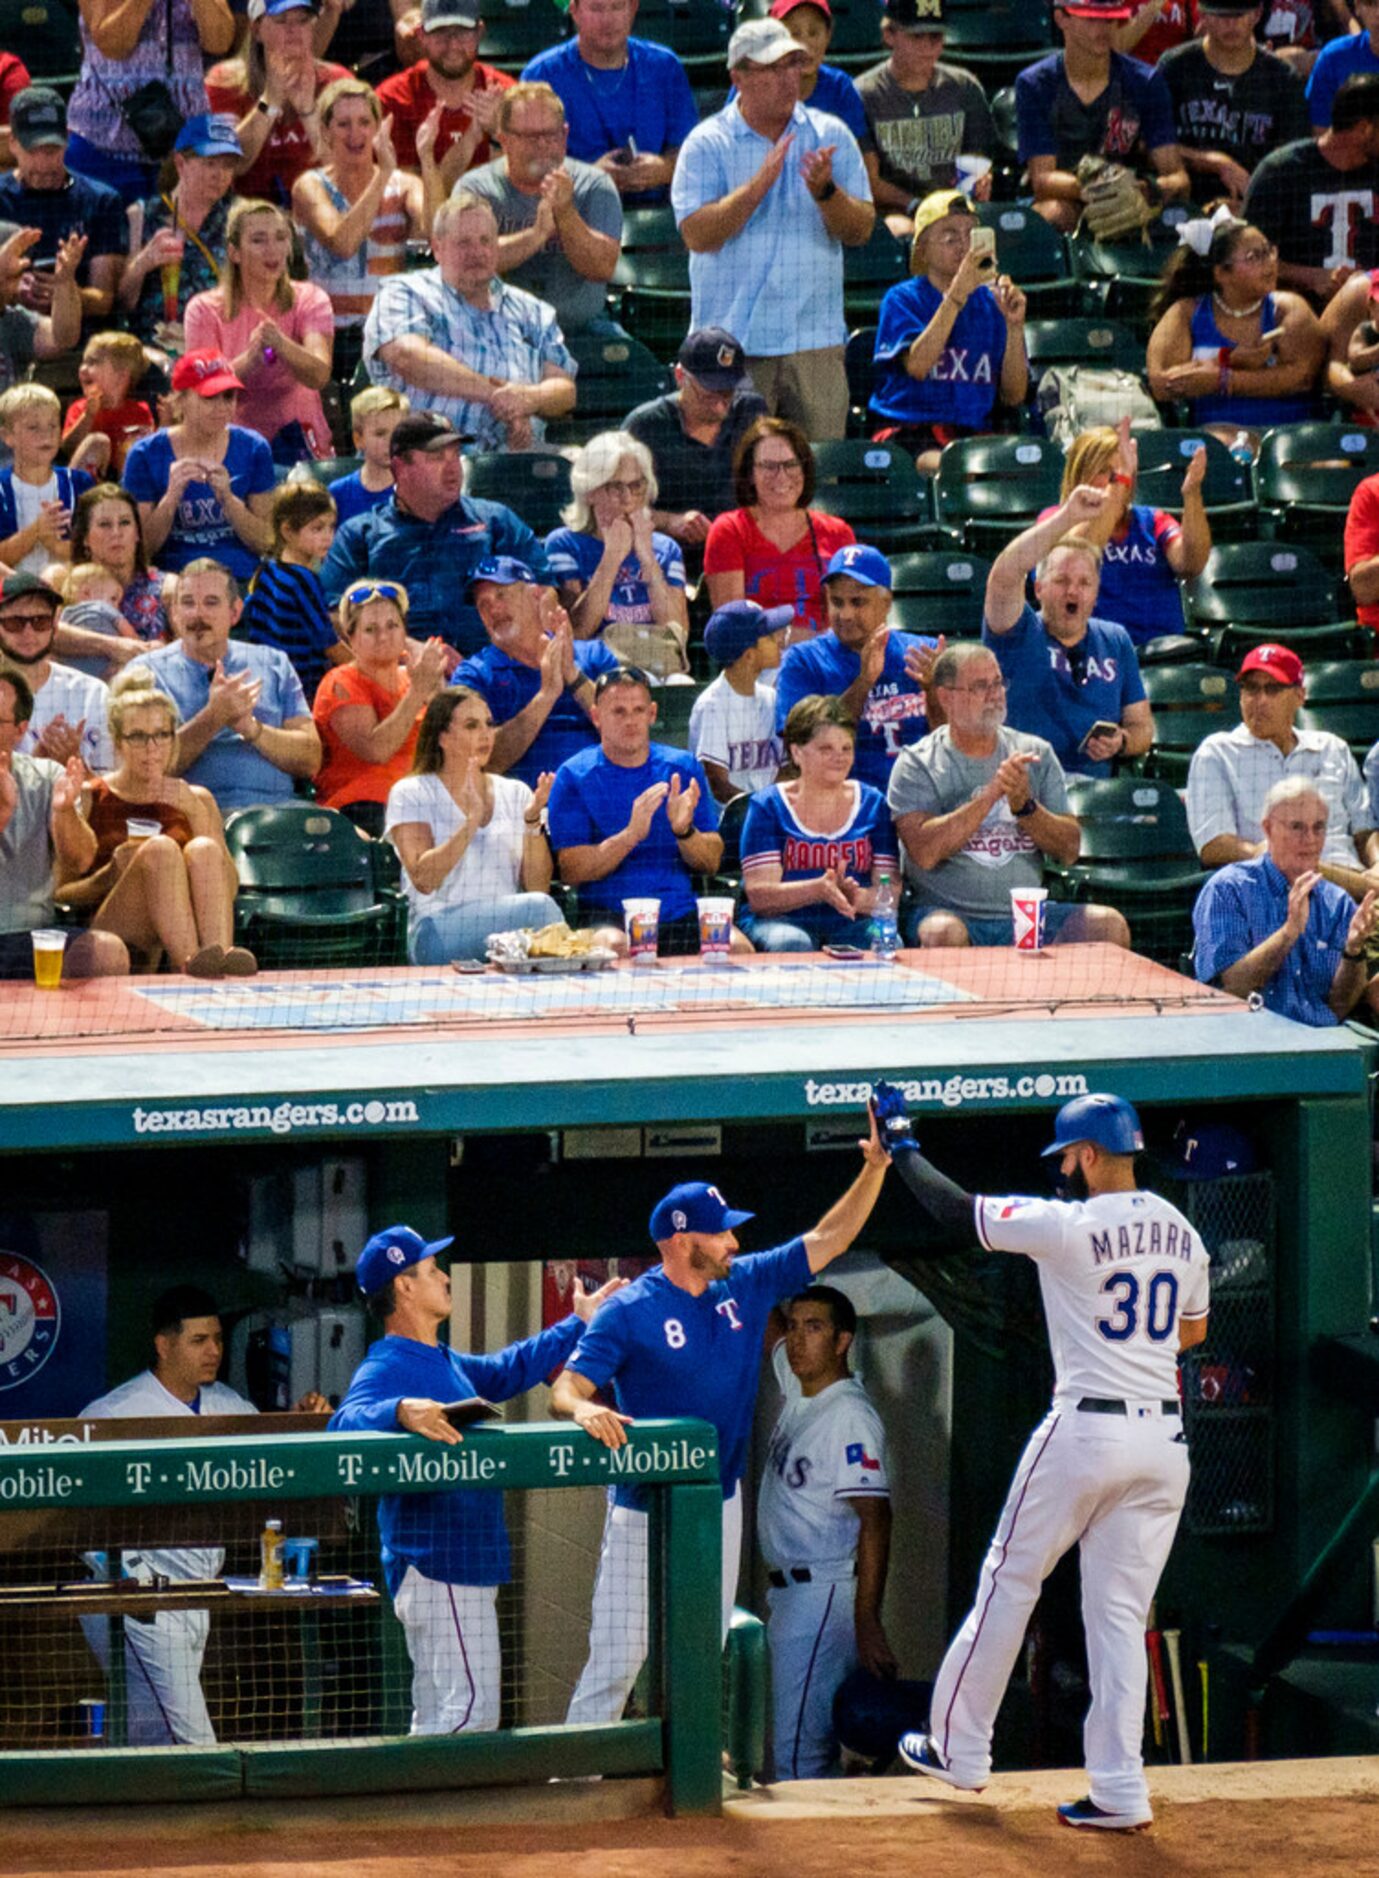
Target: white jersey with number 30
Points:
(1118, 1273)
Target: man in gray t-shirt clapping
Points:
(977, 806)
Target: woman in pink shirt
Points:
(278, 333)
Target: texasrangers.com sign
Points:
(952, 1092)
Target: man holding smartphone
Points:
(1069, 677)
(950, 343)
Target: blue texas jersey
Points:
(666, 1352)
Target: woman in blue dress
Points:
(814, 848)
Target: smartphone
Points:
(465, 967)
(984, 248)
(844, 952)
(1103, 727)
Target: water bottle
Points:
(885, 928)
(1240, 449)
(271, 1556)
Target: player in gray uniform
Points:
(163, 1653)
(1124, 1282)
(824, 1524)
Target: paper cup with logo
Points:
(49, 945)
(715, 927)
(142, 828)
(1027, 917)
(971, 170)
(642, 919)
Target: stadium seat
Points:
(1226, 493)
(880, 262)
(1189, 702)
(988, 488)
(995, 38)
(1305, 475)
(875, 487)
(536, 483)
(731, 817)
(651, 280)
(1124, 275)
(1080, 340)
(1137, 855)
(859, 362)
(1261, 583)
(1343, 698)
(46, 34)
(307, 893)
(616, 373)
(697, 32)
(329, 469)
(1035, 256)
(516, 30)
(673, 706)
(939, 591)
(1172, 649)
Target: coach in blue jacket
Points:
(444, 1554)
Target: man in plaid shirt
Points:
(458, 340)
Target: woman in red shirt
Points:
(774, 548)
(271, 92)
(367, 713)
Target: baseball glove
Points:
(1113, 204)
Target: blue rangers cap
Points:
(502, 570)
(735, 627)
(694, 1206)
(209, 134)
(867, 566)
(392, 1251)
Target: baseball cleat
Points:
(921, 1756)
(1086, 1813)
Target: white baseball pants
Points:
(452, 1639)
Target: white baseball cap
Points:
(760, 42)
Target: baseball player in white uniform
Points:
(1124, 1283)
(685, 1339)
(824, 1525)
(163, 1653)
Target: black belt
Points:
(793, 1575)
(1112, 1405)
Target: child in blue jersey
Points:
(286, 606)
(813, 849)
(374, 416)
(686, 1339)
(950, 344)
(446, 1553)
(37, 493)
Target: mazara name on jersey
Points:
(1141, 1239)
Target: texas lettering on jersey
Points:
(1341, 211)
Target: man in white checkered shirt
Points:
(457, 339)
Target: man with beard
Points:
(451, 79)
(559, 220)
(247, 730)
(686, 1339)
(1069, 677)
(68, 718)
(1124, 1283)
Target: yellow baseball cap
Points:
(942, 202)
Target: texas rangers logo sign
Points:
(30, 1319)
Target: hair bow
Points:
(1202, 231)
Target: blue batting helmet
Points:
(1107, 1120)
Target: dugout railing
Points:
(317, 1682)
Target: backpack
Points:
(1074, 398)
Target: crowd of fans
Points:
(228, 261)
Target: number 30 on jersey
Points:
(1153, 1307)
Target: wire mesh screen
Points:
(1228, 1381)
(241, 1621)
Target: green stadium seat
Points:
(307, 892)
(516, 30)
(1080, 340)
(1189, 702)
(1343, 697)
(329, 469)
(673, 706)
(1305, 475)
(616, 374)
(535, 483)
(989, 488)
(1124, 275)
(1226, 493)
(1261, 583)
(1036, 258)
(875, 487)
(869, 270)
(696, 31)
(859, 363)
(995, 38)
(856, 42)
(46, 34)
(651, 280)
(940, 590)
(1138, 856)
(731, 817)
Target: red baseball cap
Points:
(779, 8)
(1277, 661)
(206, 373)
